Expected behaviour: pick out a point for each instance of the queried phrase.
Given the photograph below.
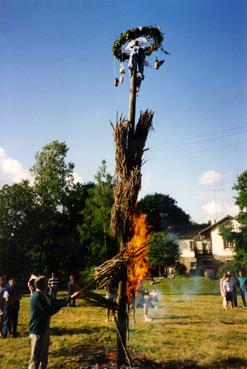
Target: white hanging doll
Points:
(135, 49)
(122, 73)
(158, 63)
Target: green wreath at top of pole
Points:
(149, 32)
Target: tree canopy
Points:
(53, 177)
(239, 238)
(163, 251)
(162, 212)
(94, 230)
(56, 225)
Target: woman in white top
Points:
(228, 290)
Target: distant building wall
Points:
(207, 244)
(187, 248)
(220, 249)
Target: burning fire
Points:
(138, 248)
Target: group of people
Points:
(10, 296)
(53, 286)
(229, 285)
(43, 304)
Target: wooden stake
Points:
(132, 104)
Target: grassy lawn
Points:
(189, 326)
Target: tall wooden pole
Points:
(123, 308)
(132, 103)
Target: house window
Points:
(228, 245)
(192, 245)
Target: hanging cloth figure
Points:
(122, 73)
(136, 53)
(158, 63)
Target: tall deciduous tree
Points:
(95, 232)
(228, 233)
(19, 216)
(53, 177)
(163, 251)
(240, 238)
(61, 202)
(241, 198)
(162, 212)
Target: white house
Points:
(204, 247)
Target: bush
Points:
(234, 266)
(86, 276)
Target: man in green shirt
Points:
(42, 308)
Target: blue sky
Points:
(56, 82)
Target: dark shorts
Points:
(229, 296)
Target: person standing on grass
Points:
(234, 292)
(2, 303)
(4, 311)
(42, 308)
(222, 292)
(53, 283)
(242, 283)
(14, 306)
(72, 287)
(147, 303)
(111, 295)
(228, 291)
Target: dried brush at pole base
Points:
(94, 299)
(128, 155)
(109, 269)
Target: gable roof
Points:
(216, 224)
(198, 229)
(193, 231)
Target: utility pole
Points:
(215, 190)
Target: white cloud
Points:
(211, 177)
(219, 208)
(11, 170)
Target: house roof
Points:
(216, 224)
(193, 231)
(198, 229)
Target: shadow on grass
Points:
(99, 360)
(93, 354)
(227, 323)
(171, 317)
(68, 331)
(230, 363)
(177, 320)
(178, 316)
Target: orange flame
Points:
(138, 247)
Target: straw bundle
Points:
(98, 300)
(109, 270)
(129, 151)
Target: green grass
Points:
(189, 286)
(186, 327)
